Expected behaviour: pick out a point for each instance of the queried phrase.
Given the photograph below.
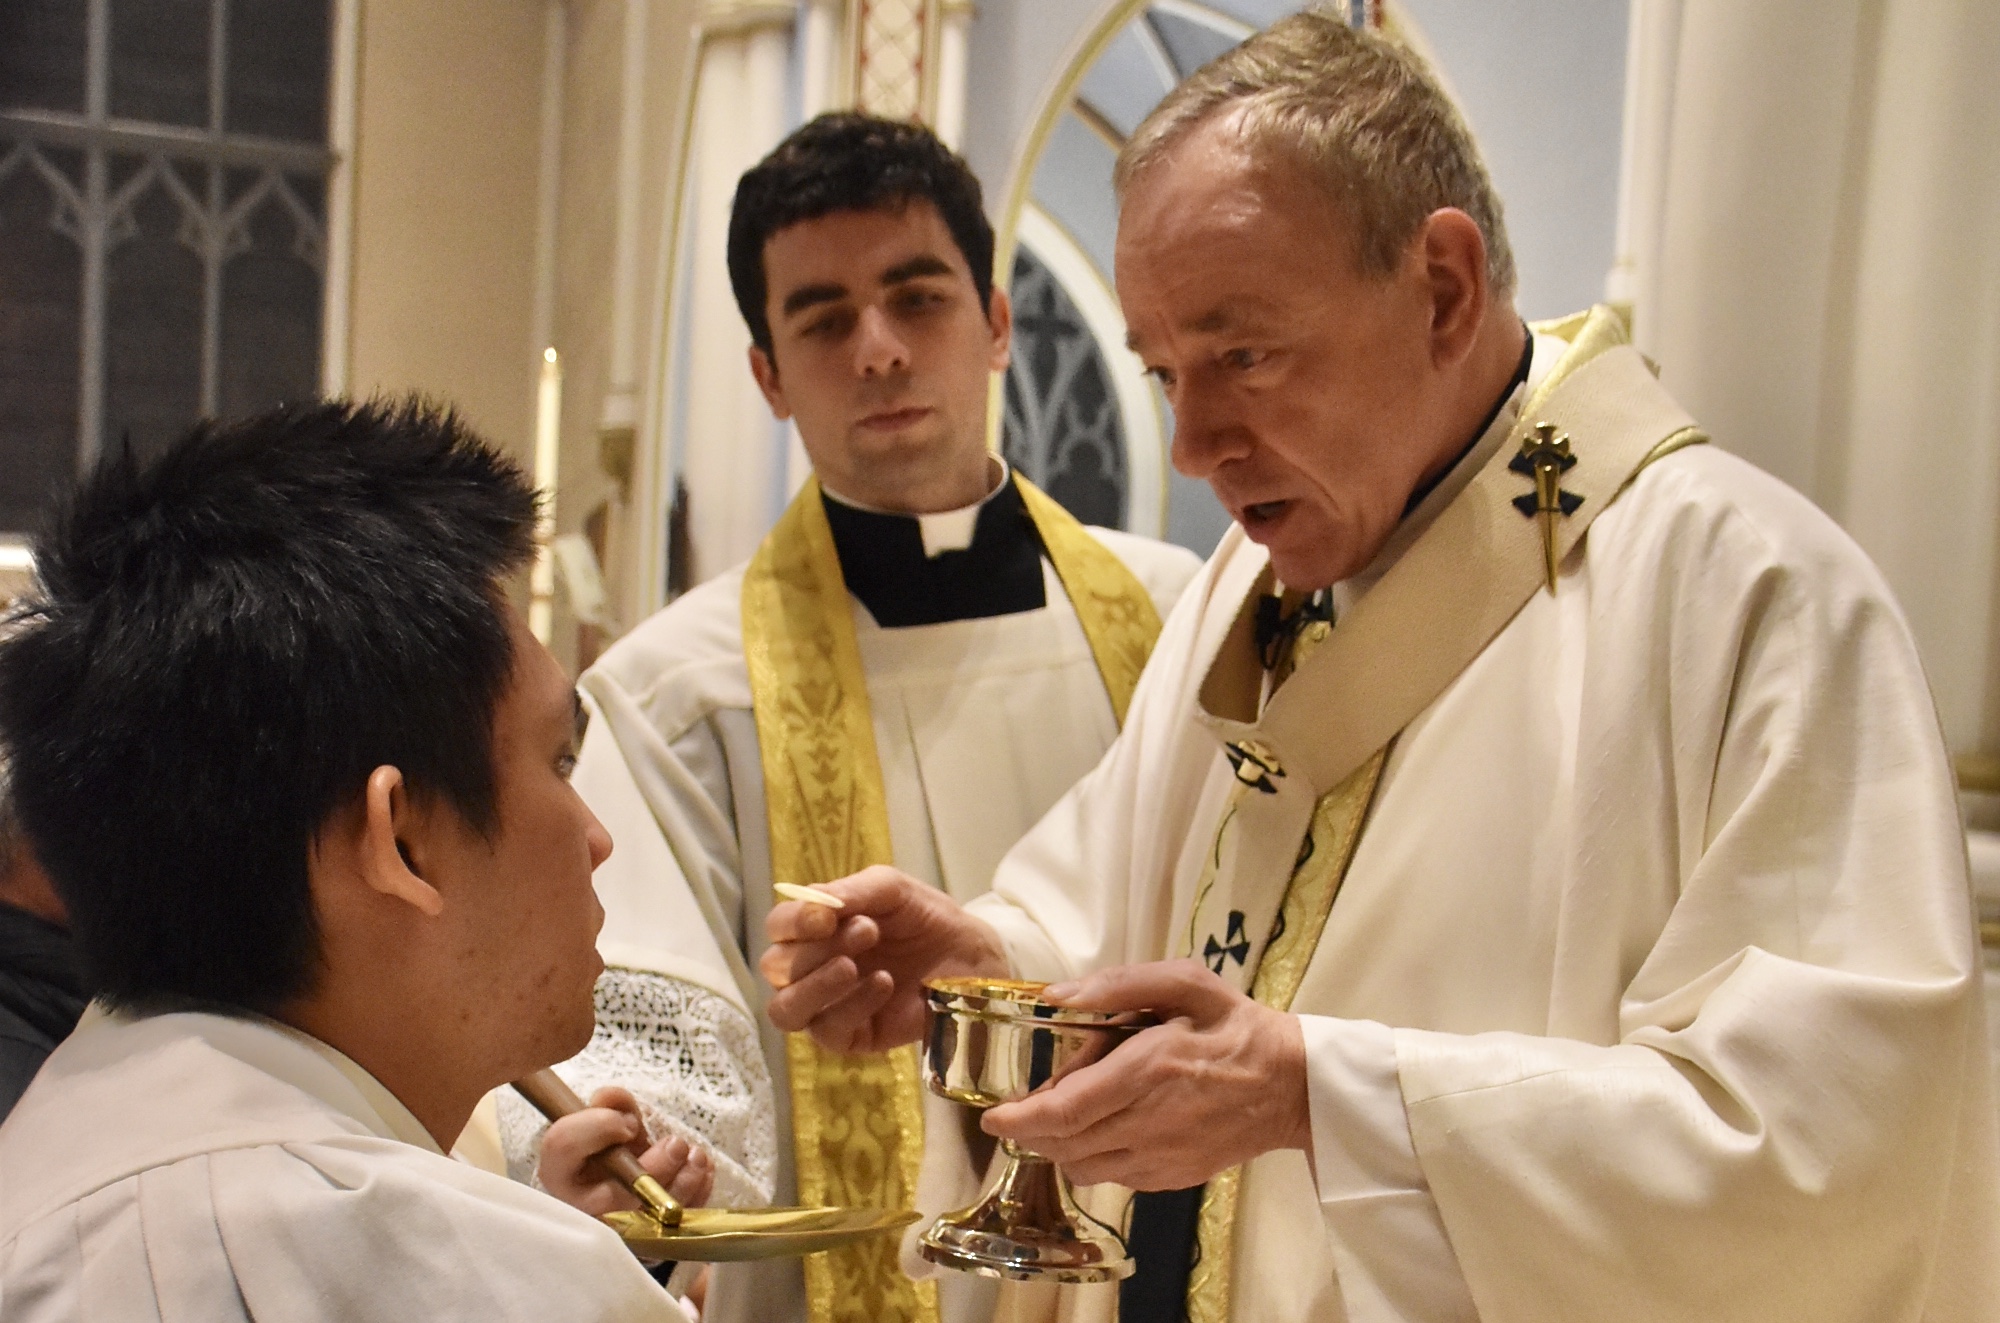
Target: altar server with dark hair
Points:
(299, 774)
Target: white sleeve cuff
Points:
(1388, 1241)
(1361, 1136)
(1030, 953)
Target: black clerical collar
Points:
(883, 560)
(1514, 383)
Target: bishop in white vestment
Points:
(1665, 899)
(1561, 913)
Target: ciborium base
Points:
(1028, 1228)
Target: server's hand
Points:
(613, 1118)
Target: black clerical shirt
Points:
(882, 558)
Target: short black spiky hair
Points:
(842, 161)
(225, 640)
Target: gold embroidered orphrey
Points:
(858, 1121)
(1632, 439)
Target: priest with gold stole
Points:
(1533, 829)
(924, 654)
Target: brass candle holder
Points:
(995, 1041)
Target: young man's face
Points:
(882, 354)
(527, 924)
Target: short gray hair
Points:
(1359, 112)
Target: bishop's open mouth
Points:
(1263, 512)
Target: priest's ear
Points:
(392, 845)
(765, 370)
(1000, 324)
(1452, 252)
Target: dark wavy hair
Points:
(224, 641)
(842, 161)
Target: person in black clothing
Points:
(42, 990)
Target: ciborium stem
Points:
(995, 1041)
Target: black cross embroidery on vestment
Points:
(1216, 955)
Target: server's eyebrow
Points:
(805, 296)
(924, 264)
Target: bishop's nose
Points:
(1205, 437)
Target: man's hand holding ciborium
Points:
(1216, 1081)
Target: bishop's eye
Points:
(1241, 358)
(566, 765)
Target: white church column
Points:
(621, 399)
(733, 455)
(948, 118)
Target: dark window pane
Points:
(152, 359)
(41, 273)
(159, 61)
(42, 54)
(1061, 426)
(279, 53)
(270, 303)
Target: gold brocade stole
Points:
(857, 1121)
(1323, 857)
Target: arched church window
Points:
(1081, 418)
(163, 178)
(1062, 425)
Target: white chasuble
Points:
(1651, 989)
(979, 724)
(194, 1168)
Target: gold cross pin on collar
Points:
(1545, 456)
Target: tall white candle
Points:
(548, 429)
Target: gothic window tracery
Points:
(1062, 426)
(163, 235)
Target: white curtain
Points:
(1810, 234)
(733, 454)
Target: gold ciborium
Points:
(994, 1041)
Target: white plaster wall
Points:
(1543, 86)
